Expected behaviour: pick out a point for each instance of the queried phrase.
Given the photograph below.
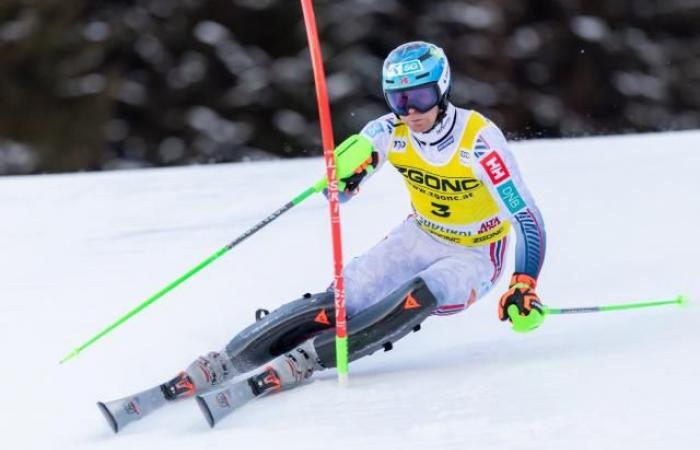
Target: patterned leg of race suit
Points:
(456, 275)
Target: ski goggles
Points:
(421, 98)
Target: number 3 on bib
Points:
(440, 210)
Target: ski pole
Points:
(257, 227)
(681, 300)
(348, 162)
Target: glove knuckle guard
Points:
(521, 294)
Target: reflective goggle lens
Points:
(421, 98)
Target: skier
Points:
(466, 194)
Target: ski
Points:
(219, 403)
(284, 372)
(123, 411)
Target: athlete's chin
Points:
(418, 126)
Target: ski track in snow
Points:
(80, 250)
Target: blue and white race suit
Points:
(467, 194)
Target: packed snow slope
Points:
(78, 251)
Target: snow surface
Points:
(80, 250)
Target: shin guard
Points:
(281, 331)
(382, 324)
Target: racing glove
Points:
(521, 305)
(350, 185)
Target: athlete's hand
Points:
(521, 305)
(350, 184)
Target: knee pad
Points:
(382, 324)
(281, 331)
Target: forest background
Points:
(100, 85)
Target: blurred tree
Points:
(51, 90)
(103, 84)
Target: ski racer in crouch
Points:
(467, 196)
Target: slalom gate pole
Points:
(324, 112)
(681, 300)
(298, 199)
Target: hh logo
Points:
(495, 168)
